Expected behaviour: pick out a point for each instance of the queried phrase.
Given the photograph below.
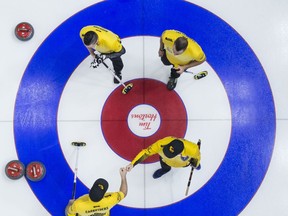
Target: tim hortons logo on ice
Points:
(144, 120)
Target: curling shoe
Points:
(116, 81)
(198, 167)
(171, 83)
(158, 173)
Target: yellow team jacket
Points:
(108, 42)
(85, 207)
(190, 150)
(193, 51)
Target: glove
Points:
(94, 63)
(100, 59)
(193, 162)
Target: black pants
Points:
(165, 61)
(164, 166)
(116, 60)
(117, 64)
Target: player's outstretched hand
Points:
(123, 171)
(129, 167)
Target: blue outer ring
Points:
(253, 113)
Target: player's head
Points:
(90, 38)
(98, 190)
(180, 45)
(173, 148)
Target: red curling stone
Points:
(15, 169)
(35, 171)
(24, 31)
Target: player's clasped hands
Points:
(129, 167)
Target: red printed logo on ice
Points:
(144, 120)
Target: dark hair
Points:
(181, 43)
(90, 37)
